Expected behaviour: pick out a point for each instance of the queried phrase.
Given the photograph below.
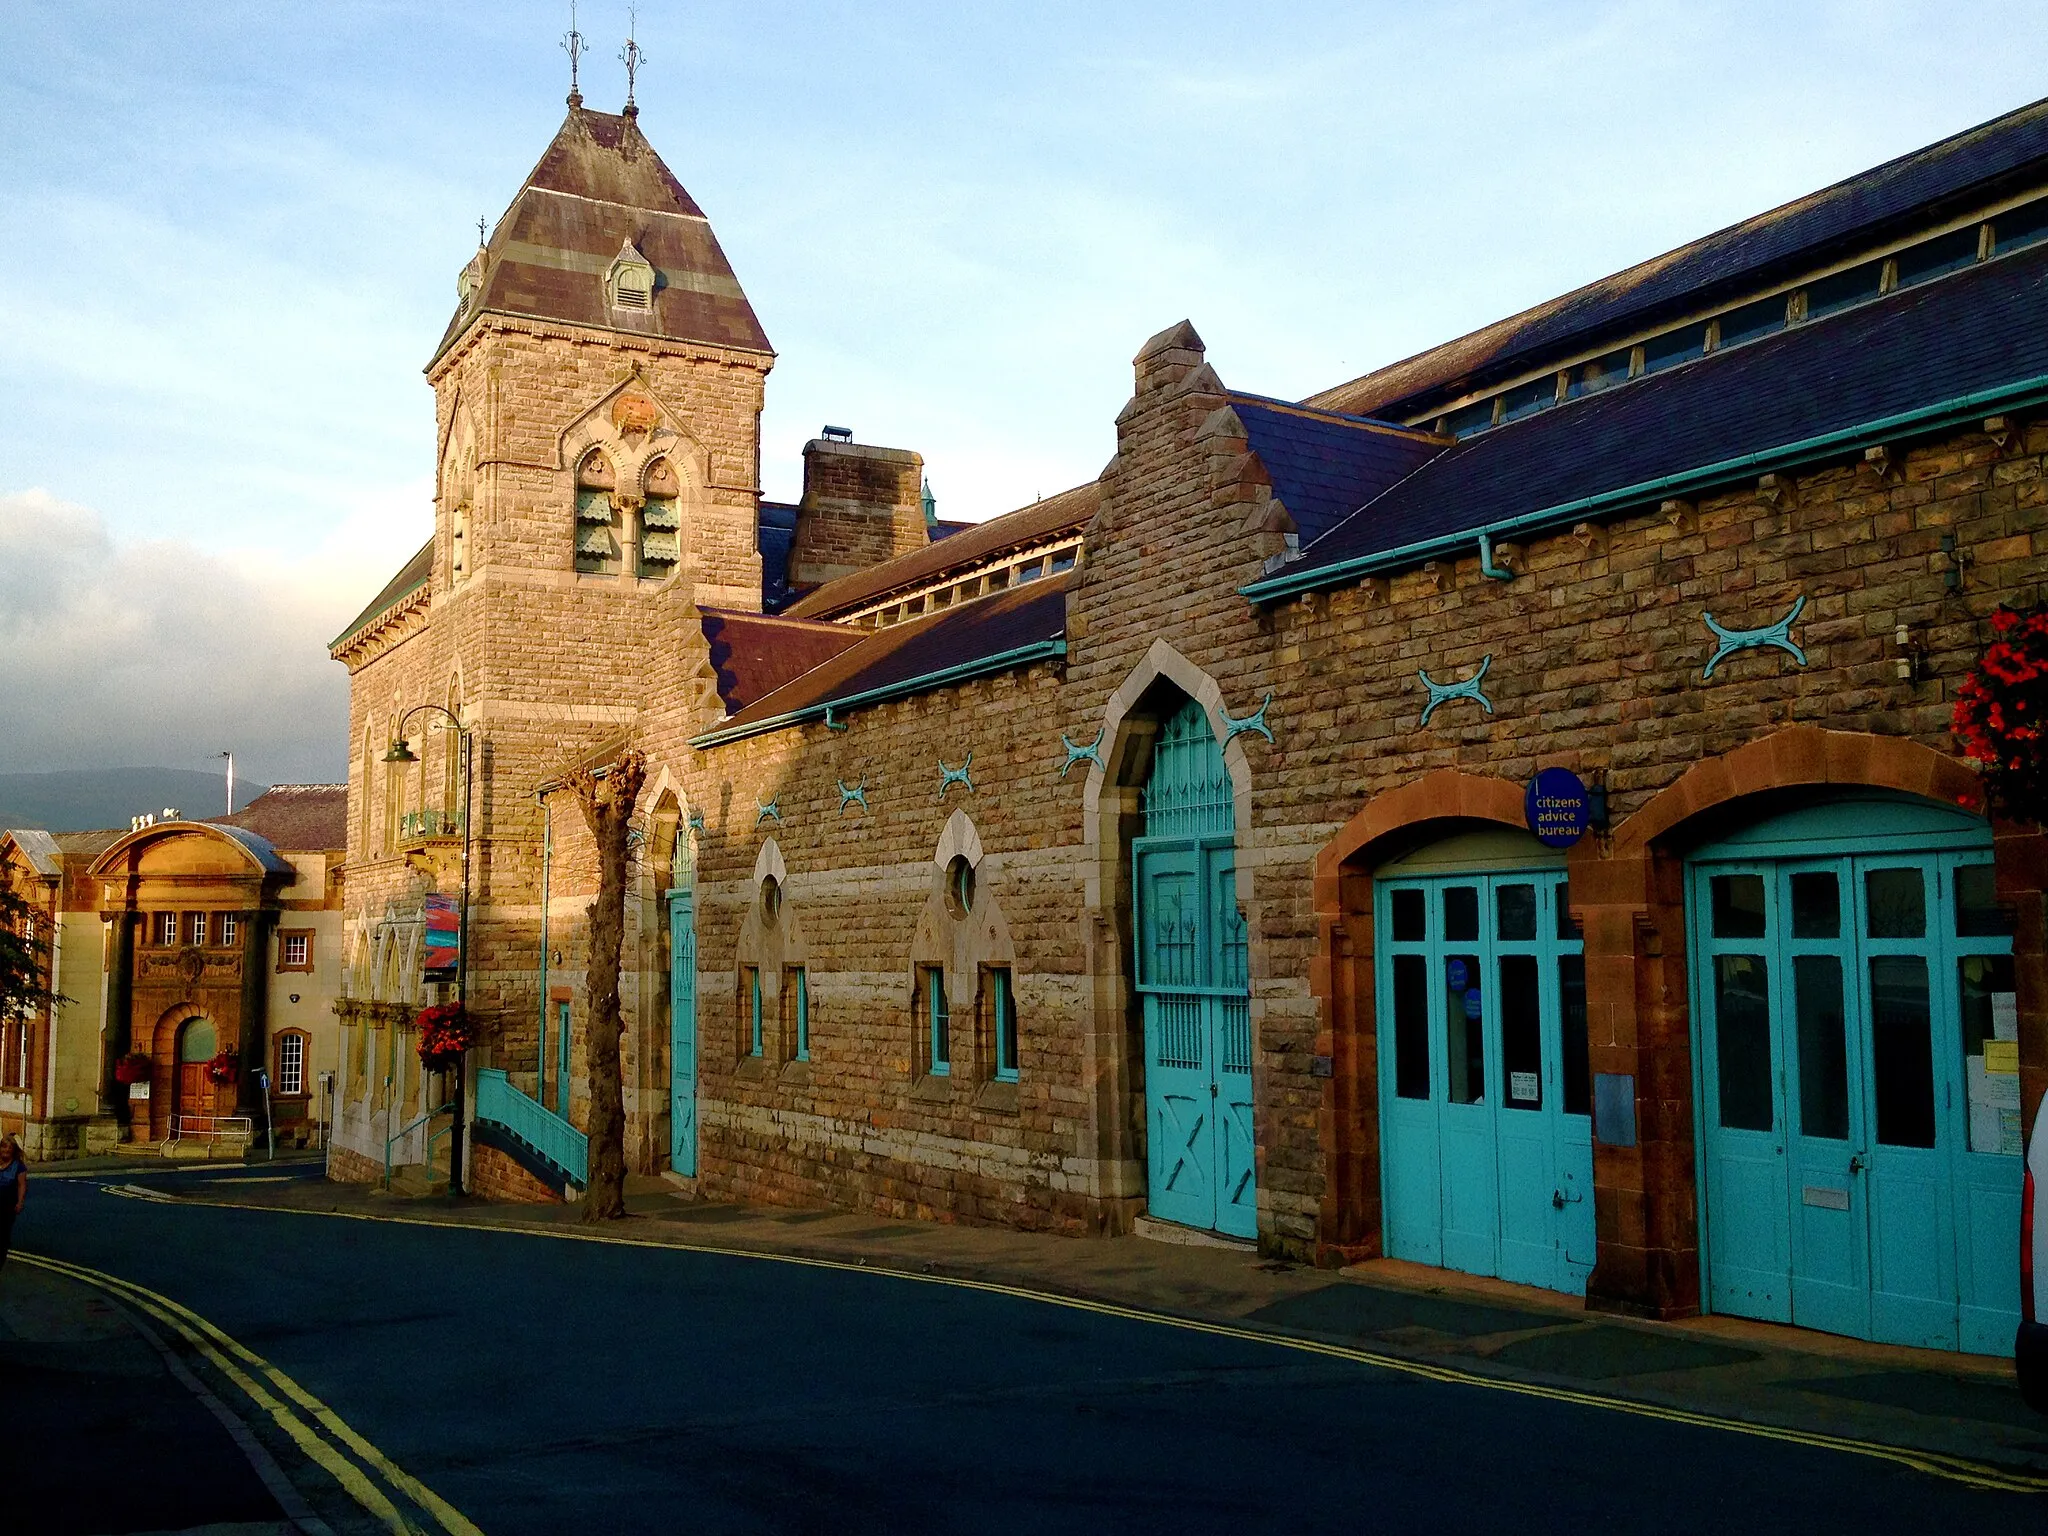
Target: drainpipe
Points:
(50, 1029)
(547, 851)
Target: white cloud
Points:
(146, 653)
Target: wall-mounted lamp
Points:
(1907, 664)
(295, 997)
(1596, 800)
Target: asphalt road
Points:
(545, 1385)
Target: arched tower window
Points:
(661, 524)
(597, 516)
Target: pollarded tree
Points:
(607, 796)
(2002, 713)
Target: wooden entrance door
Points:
(198, 1043)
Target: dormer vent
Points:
(629, 283)
(471, 279)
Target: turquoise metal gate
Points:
(1191, 945)
(1859, 1095)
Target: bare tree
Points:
(607, 796)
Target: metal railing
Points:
(533, 1123)
(213, 1127)
(418, 824)
(407, 1129)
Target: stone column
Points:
(256, 927)
(117, 1028)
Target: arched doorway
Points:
(1484, 1087)
(1856, 1046)
(1190, 951)
(198, 1044)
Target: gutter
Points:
(830, 709)
(1924, 418)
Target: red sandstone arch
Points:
(1800, 756)
(1445, 795)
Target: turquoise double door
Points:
(682, 996)
(1486, 1150)
(1191, 945)
(1859, 1095)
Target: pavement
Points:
(722, 1367)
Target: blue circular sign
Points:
(1472, 1004)
(1557, 807)
(1454, 973)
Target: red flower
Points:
(1999, 709)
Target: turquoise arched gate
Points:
(1191, 945)
(1854, 1004)
(682, 996)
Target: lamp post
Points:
(401, 753)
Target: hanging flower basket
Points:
(2002, 709)
(132, 1068)
(224, 1068)
(444, 1034)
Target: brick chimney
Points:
(862, 505)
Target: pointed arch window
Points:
(661, 522)
(597, 516)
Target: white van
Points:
(2030, 1349)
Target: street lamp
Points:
(401, 753)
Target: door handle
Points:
(1557, 1199)
(1858, 1163)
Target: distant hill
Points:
(86, 798)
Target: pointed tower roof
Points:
(600, 186)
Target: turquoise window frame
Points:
(801, 977)
(938, 1014)
(1003, 1008)
(754, 1005)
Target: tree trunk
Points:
(607, 804)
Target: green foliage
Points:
(24, 960)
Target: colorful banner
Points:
(443, 947)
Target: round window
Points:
(960, 886)
(771, 897)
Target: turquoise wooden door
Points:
(682, 996)
(1859, 1163)
(1485, 1094)
(1195, 994)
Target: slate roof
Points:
(40, 849)
(296, 818)
(1324, 465)
(755, 653)
(599, 186)
(413, 575)
(1067, 512)
(89, 845)
(1980, 330)
(1944, 178)
(899, 654)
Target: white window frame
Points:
(291, 1064)
(230, 927)
(196, 927)
(285, 958)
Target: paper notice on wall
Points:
(2001, 1057)
(138, 1090)
(2005, 1015)
(1524, 1086)
(1994, 1109)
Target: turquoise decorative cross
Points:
(1092, 753)
(952, 776)
(1255, 721)
(1443, 693)
(856, 795)
(696, 821)
(1733, 640)
(763, 812)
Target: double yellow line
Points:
(369, 1476)
(1957, 1469)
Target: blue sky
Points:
(229, 235)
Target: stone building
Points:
(1166, 850)
(181, 944)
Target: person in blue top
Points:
(13, 1191)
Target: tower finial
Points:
(632, 56)
(479, 231)
(575, 47)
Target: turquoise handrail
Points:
(407, 1129)
(533, 1123)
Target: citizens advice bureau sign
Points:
(1556, 807)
